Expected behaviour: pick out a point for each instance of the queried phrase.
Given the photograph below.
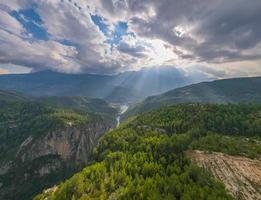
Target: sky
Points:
(213, 38)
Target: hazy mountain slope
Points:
(79, 103)
(145, 158)
(12, 96)
(236, 90)
(152, 81)
(124, 87)
(48, 83)
(41, 145)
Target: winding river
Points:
(123, 109)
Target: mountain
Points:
(123, 87)
(236, 90)
(44, 141)
(78, 103)
(10, 96)
(146, 157)
(86, 104)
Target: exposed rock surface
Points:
(4, 167)
(70, 144)
(46, 160)
(241, 176)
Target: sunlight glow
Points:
(160, 53)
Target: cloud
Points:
(109, 36)
(131, 46)
(10, 24)
(212, 31)
(206, 71)
(75, 43)
(4, 71)
(37, 54)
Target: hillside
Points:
(42, 145)
(240, 175)
(236, 90)
(124, 87)
(79, 103)
(145, 157)
(9, 96)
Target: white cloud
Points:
(4, 71)
(213, 36)
(10, 24)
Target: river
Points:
(123, 109)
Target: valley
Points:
(122, 110)
(145, 157)
(130, 100)
(117, 88)
(45, 140)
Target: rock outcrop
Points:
(50, 158)
(71, 143)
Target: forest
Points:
(145, 158)
(25, 125)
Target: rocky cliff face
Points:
(71, 143)
(48, 159)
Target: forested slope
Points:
(79, 103)
(145, 158)
(40, 145)
(235, 90)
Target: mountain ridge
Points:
(233, 90)
(134, 85)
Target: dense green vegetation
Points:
(12, 96)
(225, 128)
(243, 146)
(20, 117)
(18, 120)
(236, 90)
(145, 157)
(24, 120)
(80, 104)
(229, 119)
(151, 166)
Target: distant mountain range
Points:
(77, 103)
(11, 96)
(236, 90)
(124, 87)
(48, 132)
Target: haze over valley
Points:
(130, 100)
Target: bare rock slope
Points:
(241, 176)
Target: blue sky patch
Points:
(67, 43)
(32, 22)
(99, 21)
(120, 29)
